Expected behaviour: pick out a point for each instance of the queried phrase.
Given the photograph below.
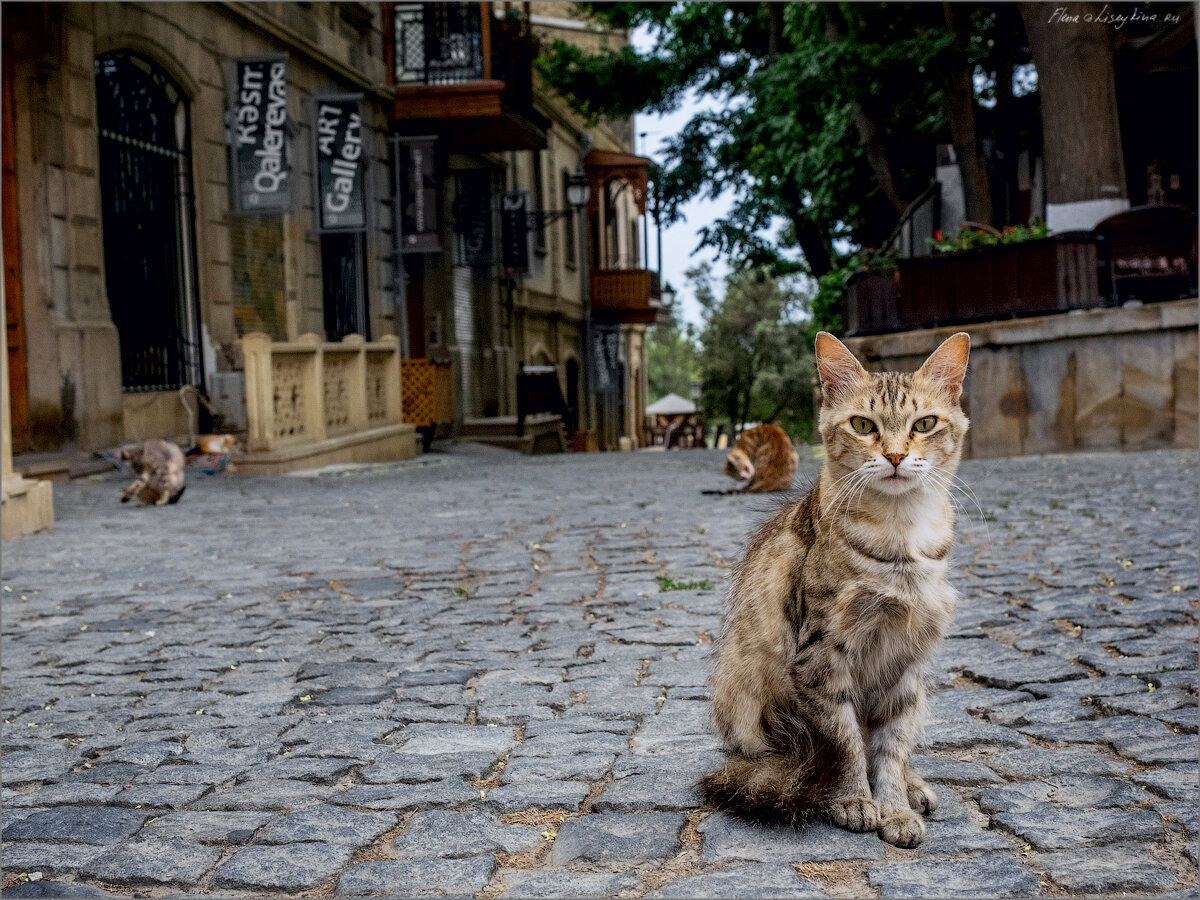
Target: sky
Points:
(681, 239)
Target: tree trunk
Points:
(1082, 142)
(958, 92)
(816, 250)
(869, 132)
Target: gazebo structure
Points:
(676, 423)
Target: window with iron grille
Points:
(438, 43)
(148, 221)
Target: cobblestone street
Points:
(479, 674)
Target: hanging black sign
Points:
(416, 187)
(606, 341)
(262, 159)
(514, 232)
(473, 218)
(341, 164)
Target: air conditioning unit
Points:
(228, 397)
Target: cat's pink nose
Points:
(895, 458)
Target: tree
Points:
(827, 114)
(672, 361)
(754, 352)
(1074, 57)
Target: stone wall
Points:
(1087, 380)
(73, 346)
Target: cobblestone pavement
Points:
(477, 674)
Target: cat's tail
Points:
(774, 788)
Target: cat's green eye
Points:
(861, 424)
(924, 424)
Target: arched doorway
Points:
(146, 197)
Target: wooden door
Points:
(14, 307)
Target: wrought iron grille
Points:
(438, 43)
(146, 195)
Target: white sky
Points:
(681, 239)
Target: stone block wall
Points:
(1099, 379)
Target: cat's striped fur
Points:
(838, 601)
(764, 458)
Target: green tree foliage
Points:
(825, 118)
(672, 360)
(755, 351)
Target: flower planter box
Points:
(872, 302)
(1052, 274)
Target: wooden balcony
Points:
(631, 296)
(461, 74)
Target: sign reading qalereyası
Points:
(341, 164)
(262, 163)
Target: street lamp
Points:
(578, 193)
(667, 294)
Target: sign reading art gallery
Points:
(341, 164)
(417, 187)
(262, 164)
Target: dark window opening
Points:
(344, 285)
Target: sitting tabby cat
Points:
(764, 458)
(159, 465)
(839, 600)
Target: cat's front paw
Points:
(920, 795)
(902, 828)
(855, 813)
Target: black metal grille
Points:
(438, 43)
(343, 277)
(146, 195)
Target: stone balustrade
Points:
(332, 398)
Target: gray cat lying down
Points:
(159, 465)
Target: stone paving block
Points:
(947, 770)
(969, 734)
(1156, 751)
(266, 793)
(441, 739)
(163, 796)
(431, 877)
(49, 859)
(1038, 762)
(288, 867)
(1177, 782)
(1179, 813)
(754, 880)
(615, 836)
(84, 825)
(1071, 791)
(417, 767)
(727, 840)
(1013, 673)
(537, 885)
(456, 834)
(1114, 729)
(30, 890)
(427, 795)
(1049, 827)
(568, 795)
(71, 793)
(587, 766)
(206, 827)
(316, 770)
(991, 875)
(1116, 867)
(152, 862)
(330, 824)
(22, 766)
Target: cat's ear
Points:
(947, 365)
(836, 365)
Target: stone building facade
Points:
(134, 278)
(130, 271)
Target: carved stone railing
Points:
(305, 391)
